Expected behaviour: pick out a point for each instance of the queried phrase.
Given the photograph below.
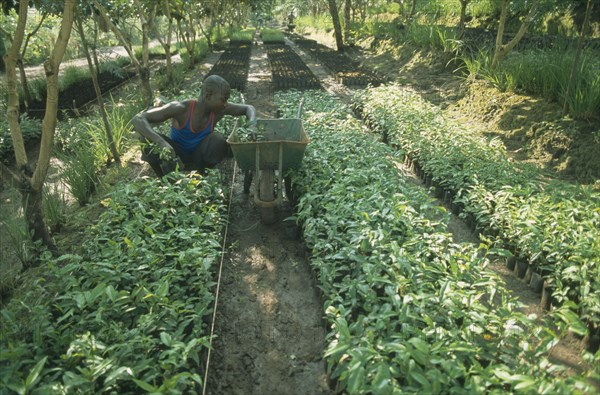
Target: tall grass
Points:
(73, 75)
(434, 37)
(54, 205)
(584, 98)
(543, 73)
(119, 116)
(200, 51)
(115, 66)
(319, 23)
(80, 170)
(17, 240)
(245, 35)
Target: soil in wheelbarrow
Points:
(269, 321)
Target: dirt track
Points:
(270, 332)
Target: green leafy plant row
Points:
(410, 311)
(125, 312)
(272, 36)
(553, 225)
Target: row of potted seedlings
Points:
(126, 312)
(347, 71)
(288, 70)
(409, 311)
(233, 65)
(550, 228)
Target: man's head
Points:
(215, 92)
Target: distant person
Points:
(192, 142)
(291, 19)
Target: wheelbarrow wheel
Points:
(247, 181)
(265, 194)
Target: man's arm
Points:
(241, 109)
(143, 121)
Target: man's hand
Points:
(167, 152)
(252, 130)
(168, 156)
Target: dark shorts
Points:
(211, 151)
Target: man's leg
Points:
(151, 156)
(211, 151)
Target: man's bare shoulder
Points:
(168, 110)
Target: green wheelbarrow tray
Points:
(281, 148)
(284, 144)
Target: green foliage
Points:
(80, 169)
(200, 51)
(54, 206)
(543, 73)
(319, 22)
(72, 75)
(409, 310)
(119, 117)
(531, 218)
(126, 312)
(243, 35)
(434, 37)
(37, 89)
(31, 129)
(272, 35)
(177, 81)
(14, 227)
(115, 66)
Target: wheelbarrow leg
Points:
(247, 181)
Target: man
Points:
(192, 142)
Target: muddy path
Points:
(269, 320)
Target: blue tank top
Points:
(186, 137)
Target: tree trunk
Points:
(142, 68)
(34, 215)
(573, 76)
(347, 8)
(31, 185)
(503, 49)
(93, 71)
(191, 42)
(24, 83)
(337, 28)
(166, 43)
(12, 109)
(413, 8)
(51, 67)
(463, 14)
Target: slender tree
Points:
(30, 182)
(186, 26)
(21, 61)
(502, 49)
(146, 17)
(165, 40)
(94, 73)
(347, 9)
(463, 14)
(337, 28)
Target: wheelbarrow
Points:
(280, 148)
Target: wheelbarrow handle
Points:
(300, 108)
